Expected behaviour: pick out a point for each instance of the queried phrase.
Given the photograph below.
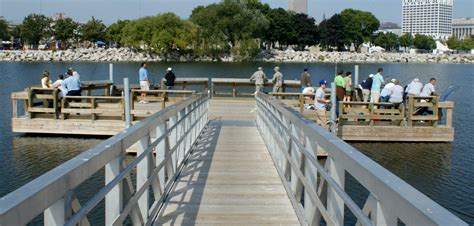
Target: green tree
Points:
(388, 41)
(36, 27)
(114, 31)
(164, 34)
(93, 30)
(467, 43)
(228, 24)
(331, 33)
(280, 28)
(406, 40)
(453, 42)
(305, 31)
(358, 26)
(64, 30)
(424, 42)
(4, 30)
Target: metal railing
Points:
(170, 133)
(318, 192)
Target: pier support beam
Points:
(55, 215)
(126, 91)
(113, 200)
(333, 107)
(356, 76)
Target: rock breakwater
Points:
(131, 55)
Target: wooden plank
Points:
(395, 133)
(227, 182)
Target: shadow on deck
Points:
(228, 179)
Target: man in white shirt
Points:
(429, 89)
(414, 88)
(320, 103)
(57, 84)
(384, 95)
(396, 92)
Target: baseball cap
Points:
(371, 75)
(323, 82)
(170, 69)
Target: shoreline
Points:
(270, 56)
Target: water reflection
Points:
(33, 156)
(419, 164)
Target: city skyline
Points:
(83, 10)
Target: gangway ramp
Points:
(229, 179)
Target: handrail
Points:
(184, 82)
(170, 133)
(245, 82)
(293, 141)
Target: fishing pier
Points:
(197, 165)
(40, 110)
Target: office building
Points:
(463, 27)
(298, 6)
(428, 17)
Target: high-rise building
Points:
(298, 6)
(463, 27)
(428, 17)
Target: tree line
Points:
(240, 28)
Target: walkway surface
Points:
(229, 179)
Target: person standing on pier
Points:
(376, 84)
(259, 78)
(305, 79)
(277, 80)
(340, 89)
(320, 104)
(144, 82)
(366, 85)
(170, 78)
(348, 83)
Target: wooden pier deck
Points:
(228, 179)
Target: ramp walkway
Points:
(229, 178)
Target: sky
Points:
(110, 11)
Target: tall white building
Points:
(428, 17)
(298, 6)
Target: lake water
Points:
(442, 171)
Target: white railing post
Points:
(113, 200)
(173, 145)
(55, 215)
(126, 91)
(161, 150)
(335, 204)
(111, 72)
(181, 133)
(143, 171)
(356, 76)
(333, 107)
(313, 215)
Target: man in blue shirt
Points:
(72, 83)
(144, 82)
(377, 82)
